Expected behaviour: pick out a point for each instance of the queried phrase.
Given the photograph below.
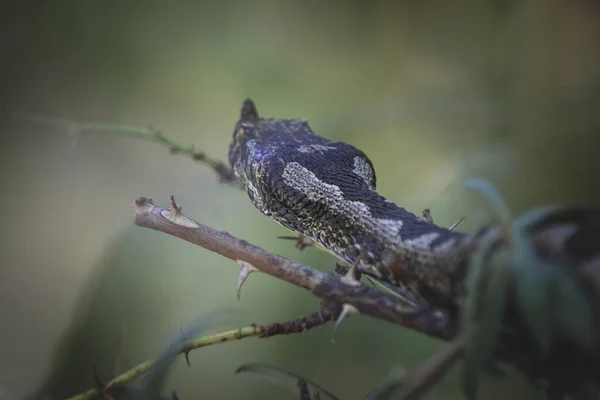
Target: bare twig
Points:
(333, 291)
(419, 380)
(151, 134)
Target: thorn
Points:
(245, 270)
(97, 380)
(427, 215)
(186, 354)
(174, 207)
(101, 388)
(454, 225)
(174, 215)
(351, 277)
(302, 241)
(347, 309)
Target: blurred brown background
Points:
(433, 92)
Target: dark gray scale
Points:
(324, 190)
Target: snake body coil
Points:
(326, 191)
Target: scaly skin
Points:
(326, 191)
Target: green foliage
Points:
(294, 383)
(392, 383)
(506, 267)
(547, 293)
(116, 292)
(486, 310)
(153, 383)
(491, 194)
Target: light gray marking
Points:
(306, 182)
(312, 148)
(364, 170)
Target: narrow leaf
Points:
(288, 380)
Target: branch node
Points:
(100, 387)
(157, 133)
(427, 215)
(174, 215)
(198, 155)
(245, 270)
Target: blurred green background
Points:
(432, 91)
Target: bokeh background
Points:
(433, 92)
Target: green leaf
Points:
(477, 279)
(288, 380)
(489, 326)
(548, 297)
(535, 281)
(491, 194)
(153, 382)
(573, 314)
(534, 217)
(392, 383)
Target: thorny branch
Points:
(343, 295)
(299, 325)
(339, 296)
(332, 290)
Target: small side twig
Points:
(419, 380)
(141, 369)
(454, 225)
(76, 128)
(261, 331)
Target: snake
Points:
(326, 191)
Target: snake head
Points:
(256, 139)
(265, 151)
